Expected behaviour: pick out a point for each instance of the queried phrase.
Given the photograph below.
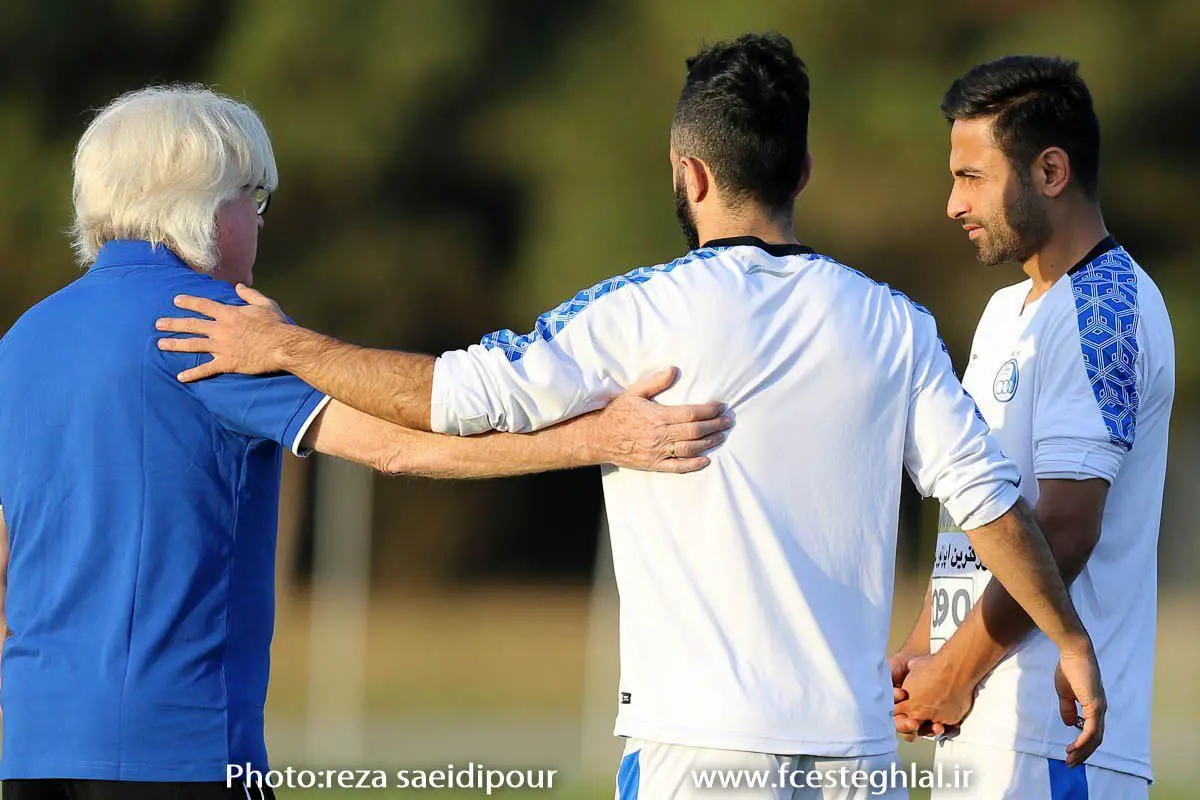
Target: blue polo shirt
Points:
(142, 517)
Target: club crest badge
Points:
(1004, 388)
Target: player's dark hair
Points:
(744, 112)
(1038, 102)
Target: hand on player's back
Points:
(638, 433)
(241, 339)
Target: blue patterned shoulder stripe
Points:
(551, 323)
(1106, 309)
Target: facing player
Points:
(1074, 370)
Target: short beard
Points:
(684, 213)
(1021, 231)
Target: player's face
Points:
(684, 213)
(238, 224)
(994, 201)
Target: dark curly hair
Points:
(744, 112)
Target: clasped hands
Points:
(929, 699)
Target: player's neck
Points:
(1074, 236)
(772, 230)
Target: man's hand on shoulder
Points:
(638, 433)
(245, 339)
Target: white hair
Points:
(157, 163)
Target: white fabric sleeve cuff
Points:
(453, 407)
(976, 508)
(304, 452)
(1077, 459)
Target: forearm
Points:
(633, 432)
(997, 623)
(917, 643)
(1019, 557)
(345, 432)
(570, 444)
(386, 384)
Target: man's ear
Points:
(696, 177)
(1052, 171)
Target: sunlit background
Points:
(450, 167)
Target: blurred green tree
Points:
(449, 167)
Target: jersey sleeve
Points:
(279, 407)
(949, 452)
(1085, 406)
(575, 360)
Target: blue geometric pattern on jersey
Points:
(1107, 311)
(551, 323)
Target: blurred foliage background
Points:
(450, 167)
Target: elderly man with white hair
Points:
(141, 512)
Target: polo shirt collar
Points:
(133, 252)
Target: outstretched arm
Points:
(256, 338)
(632, 432)
(578, 357)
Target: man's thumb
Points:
(1068, 711)
(1066, 698)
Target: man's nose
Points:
(956, 204)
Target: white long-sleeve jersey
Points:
(756, 594)
(1077, 385)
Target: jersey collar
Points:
(131, 252)
(776, 250)
(1107, 243)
